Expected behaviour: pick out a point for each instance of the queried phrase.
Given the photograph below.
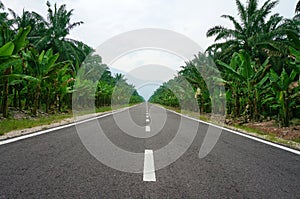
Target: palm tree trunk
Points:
(5, 93)
(28, 98)
(5, 99)
(19, 98)
(59, 102)
(285, 111)
(15, 97)
(237, 106)
(36, 100)
(255, 107)
(47, 104)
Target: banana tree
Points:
(191, 72)
(44, 70)
(104, 92)
(282, 95)
(295, 62)
(8, 56)
(62, 85)
(242, 76)
(283, 92)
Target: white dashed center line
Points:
(147, 128)
(149, 170)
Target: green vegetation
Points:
(12, 124)
(41, 67)
(292, 142)
(259, 62)
(8, 125)
(250, 130)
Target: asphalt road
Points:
(59, 165)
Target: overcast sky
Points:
(104, 19)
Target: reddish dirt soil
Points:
(270, 127)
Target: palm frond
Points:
(297, 9)
(226, 34)
(242, 12)
(13, 13)
(237, 26)
(214, 31)
(268, 6)
(73, 25)
(251, 8)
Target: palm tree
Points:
(58, 28)
(295, 22)
(251, 33)
(297, 9)
(120, 78)
(3, 15)
(32, 19)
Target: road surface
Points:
(58, 165)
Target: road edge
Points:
(249, 136)
(51, 129)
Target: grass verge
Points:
(295, 143)
(8, 125)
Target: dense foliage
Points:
(259, 60)
(39, 64)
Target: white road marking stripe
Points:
(239, 133)
(22, 137)
(149, 170)
(147, 120)
(147, 128)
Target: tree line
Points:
(259, 62)
(39, 64)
